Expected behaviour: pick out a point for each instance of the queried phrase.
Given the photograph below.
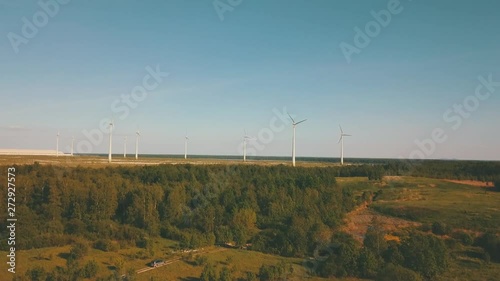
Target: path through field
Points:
(174, 260)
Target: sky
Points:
(226, 67)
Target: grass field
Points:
(241, 261)
(423, 200)
(100, 161)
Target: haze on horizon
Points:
(242, 72)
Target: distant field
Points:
(430, 200)
(101, 161)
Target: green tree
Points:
(368, 263)
(375, 238)
(209, 273)
(425, 254)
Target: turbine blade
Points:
(341, 131)
(340, 139)
(290, 117)
(346, 135)
(301, 122)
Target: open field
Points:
(181, 267)
(430, 200)
(100, 161)
(425, 200)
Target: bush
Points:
(36, 274)
(490, 242)
(496, 185)
(90, 269)
(440, 228)
(79, 250)
(397, 273)
(425, 254)
(200, 260)
(463, 237)
(104, 245)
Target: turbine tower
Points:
(72, 145)
(246, 138)
(294, 124)
(110, 140)
(186, 139)
(341, 141)
(125, 148)
(137, 135)
(57, 144)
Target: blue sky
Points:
(228, 75)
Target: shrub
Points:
(104, 245)
(463, 237)
(36, 274)
(90, 269)
(200, 260)
(440, 228)
(425, 254)
(496, 184)
(79, 250)
(397, 273)
(490, 242)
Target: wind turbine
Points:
(110, 140)
(137, 135)
(57, 144)
(341, 141)
(294, 124)
(125, 148)
(186, 139)
(246, 138)
(72, 144)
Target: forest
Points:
(285, 211)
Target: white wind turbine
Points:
(72, 144)
(57, 144)
(110, 140)
(125, 147)
(186, 139)
(341, 141)
(294, 124)
(137, 135)
(246, 138)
